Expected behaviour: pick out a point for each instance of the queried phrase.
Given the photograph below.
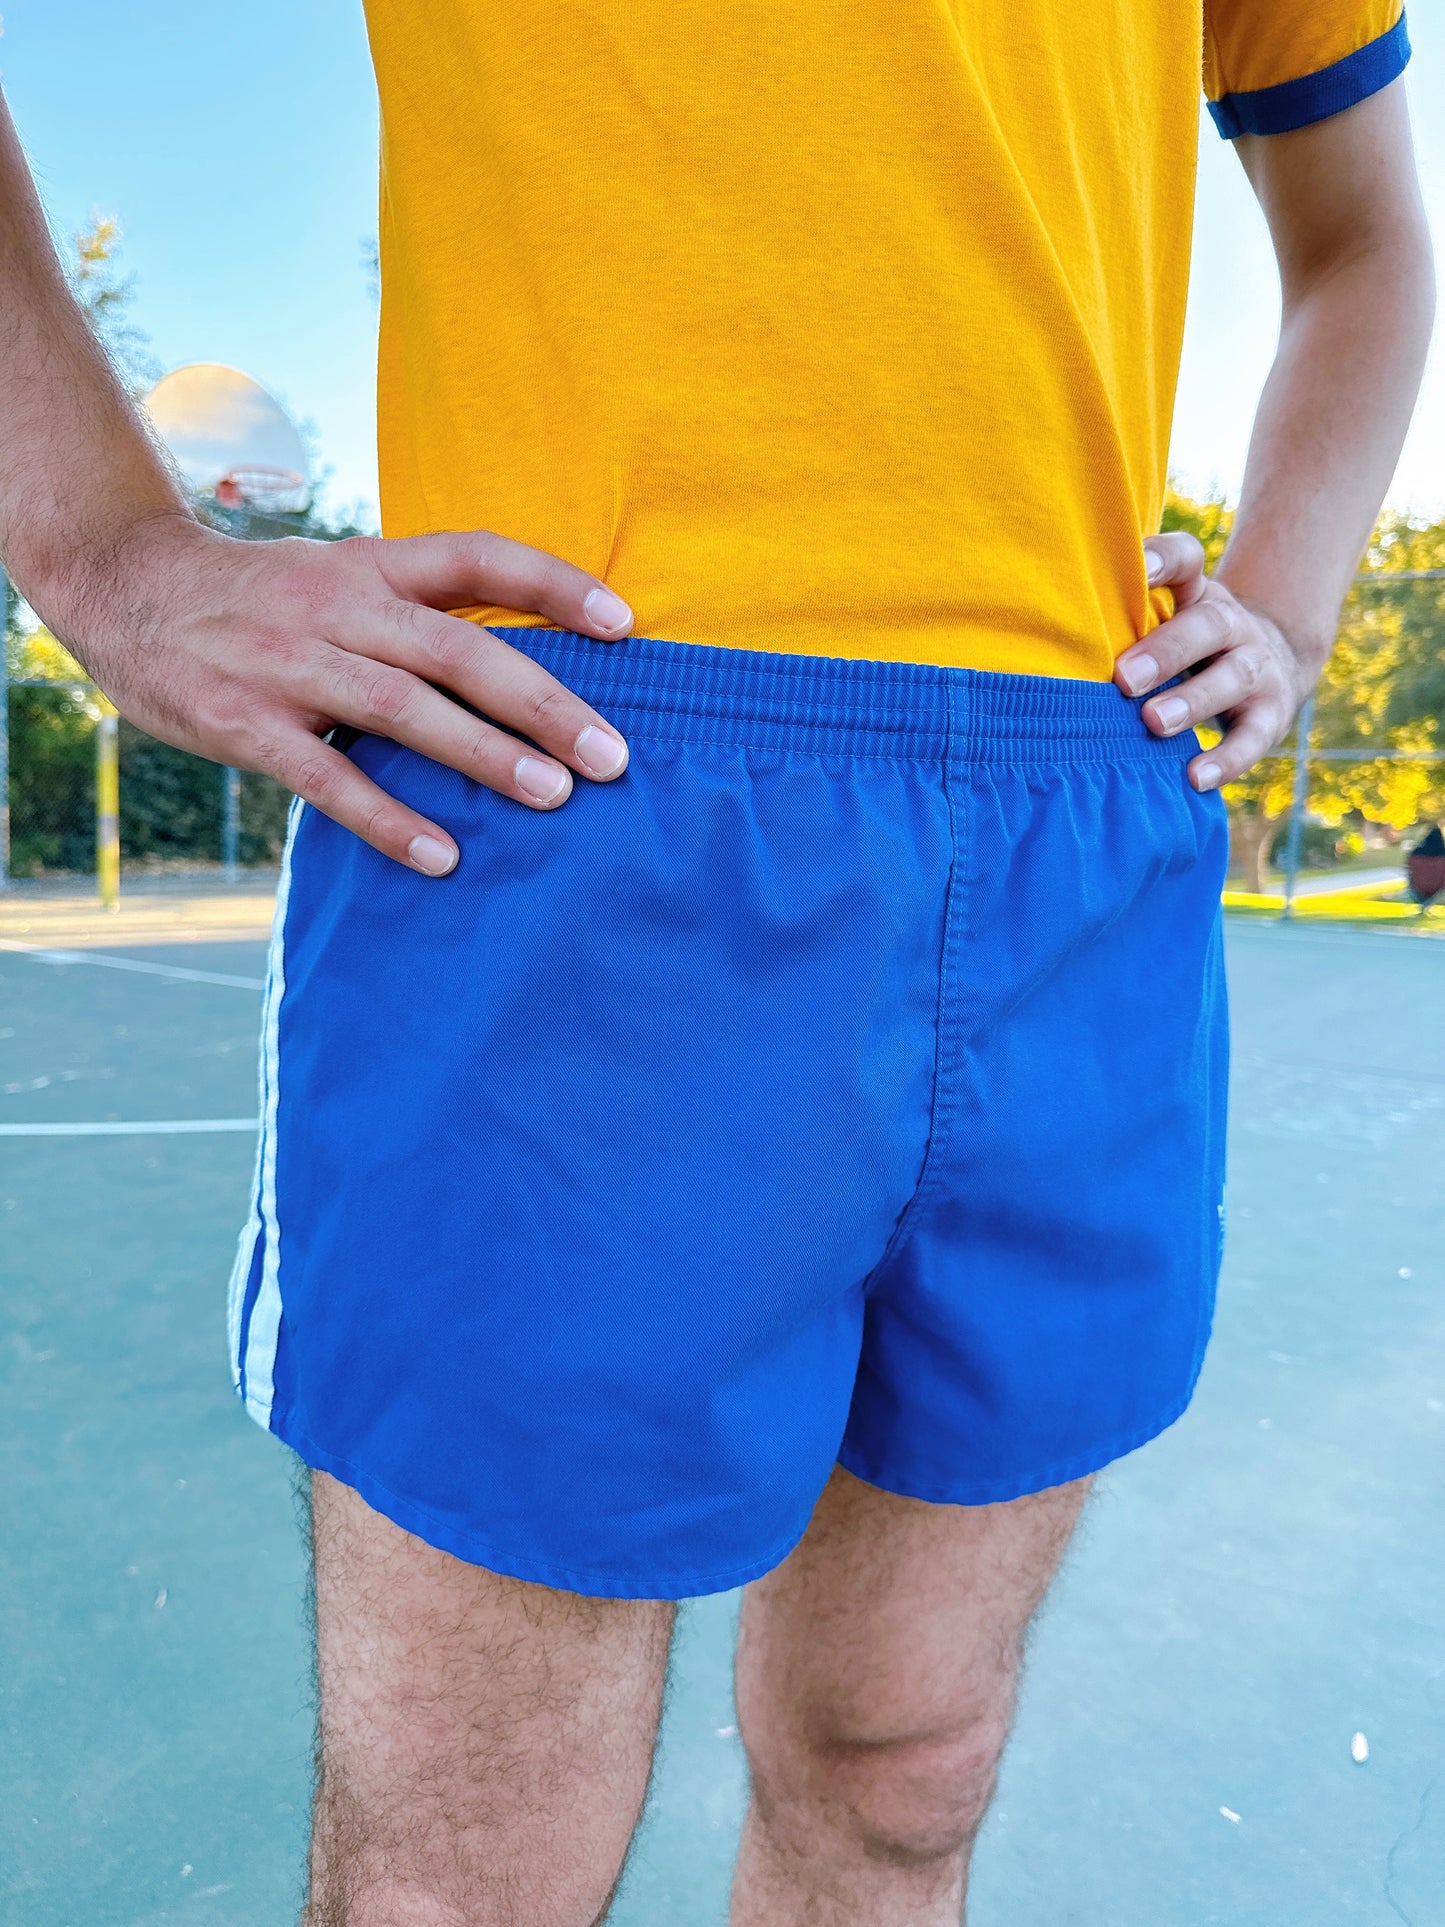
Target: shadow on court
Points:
(1246, 1595)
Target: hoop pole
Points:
(4, 730)
(231, 823)
(1302, 729)
(107, 806)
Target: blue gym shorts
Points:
(844, 1083)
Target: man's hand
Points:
(249, 652)
(1239, 666)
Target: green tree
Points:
(106, 295)
(52, 757)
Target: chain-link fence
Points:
(173, 806)
(176, 810)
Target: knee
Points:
(421, 1859)
(905, 1799)
(407, 1862)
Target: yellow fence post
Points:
(107, 806)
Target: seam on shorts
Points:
(477, 1552)
(945, 1049)
(1062, 1472)
(906, 1216)
(950, 1013)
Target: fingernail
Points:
(1139, 672)
(543, 782)
(1208, 777)
(600, 752)
(431, 856)
(1172, 711)
(606, 610)
(1154, 563)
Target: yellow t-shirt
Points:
(841, 326)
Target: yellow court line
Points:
(1380, 904)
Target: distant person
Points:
(800, 1165)
(1425, 867)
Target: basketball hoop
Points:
(233, 443)
(258, 486)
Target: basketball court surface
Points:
(1246, 1597)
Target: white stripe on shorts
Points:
(258, 1341)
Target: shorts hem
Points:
(445, 1537)
(1022, 1485)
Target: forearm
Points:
(1331, 421)
(78, 472)
(1326, 438)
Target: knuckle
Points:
(1169, 645)
(555, 573)
(254, 746)
(547, 708)
(218, 717)
(377, 823)
(450, 645)
(312, 580)
(312, 777)
(359, 548)
(1249, 672)
(409, 621)
(263, 743)
(1202, 701)
(474, 550)
(1216, 619)
(457, 548)
(381, 698)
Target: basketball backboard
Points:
(230, 438)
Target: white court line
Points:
(129, 963)
(162, 1127)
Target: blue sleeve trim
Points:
(1299, 103)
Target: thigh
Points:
(484, 1742)
(896, 1620)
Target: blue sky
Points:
(237, 144)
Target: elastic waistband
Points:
(844, 706)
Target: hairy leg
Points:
(876, 1676)
(484, 1744)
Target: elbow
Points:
(1384, 283)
